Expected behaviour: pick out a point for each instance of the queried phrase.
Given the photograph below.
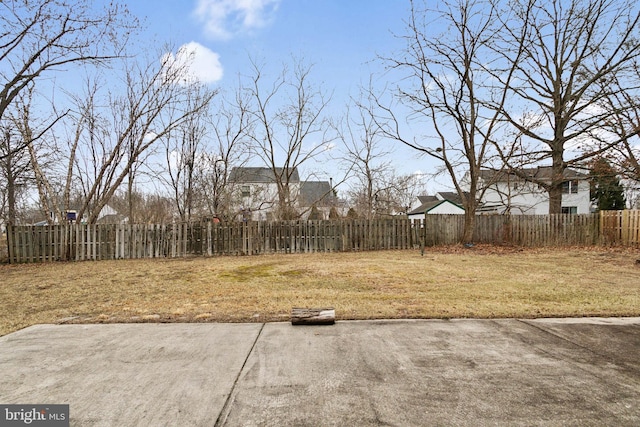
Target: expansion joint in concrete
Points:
(229, 401)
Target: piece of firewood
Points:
(313, 316)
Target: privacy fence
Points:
(124, 241)
(620, 227)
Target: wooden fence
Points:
(620, 227)
(122, 241)
(520, 230)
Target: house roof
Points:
(426, 207)
(426, 199)
(111, 218)
(260, 175)
(431, 204)
(319, 193)
(451, 196)
(540, 173)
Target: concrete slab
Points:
(608, 340)
(405, 373)
(126, 375)
(417, 373)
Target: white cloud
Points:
(202, 64)
(223, 19)
(150, 136)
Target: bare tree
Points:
(23, 125)
(288, 125)
(15, 172)
(109, 141)
(200, 155)
(623, 125)
(391, 195)
(228, 147)
(41, 37)
(365, 157)
(565, 64)
(149, 208)
(185, 156)
(445, 85)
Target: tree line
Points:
(494, 85)
(511, 84)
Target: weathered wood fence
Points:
(123, 241)
(520, 230)
(620, 227)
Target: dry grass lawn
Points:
(481, 282)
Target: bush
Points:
(315, 214)
(352, 214)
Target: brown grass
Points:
(482, 282)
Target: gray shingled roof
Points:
(317, 192)
(541, 173)
(426, 207)
(451, 196)
(430, 202)
(427, 199)
(259, 174)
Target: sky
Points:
(342, 39)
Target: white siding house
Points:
(440, 203)
(255, 194)
(255, 191)
(508, 193)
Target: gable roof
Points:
(451, 196)
(426, 199)
(319, 193)
(540, 173)
(260, 175)
(430, 205)
(425, 207)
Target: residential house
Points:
(255, 191)
(441, 203)
(510, 193)
(108, 215)
(322, 196)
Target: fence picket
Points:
(108, 241)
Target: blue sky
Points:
(341, 38)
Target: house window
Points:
(246, 191)
(570, 187)
(572, 210)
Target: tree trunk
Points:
(11, 191)
(130, 199)
(469, 224)
(555, 189)
(470, 204)
(555, 198)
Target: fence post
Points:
(10, 244)
(80, 241)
